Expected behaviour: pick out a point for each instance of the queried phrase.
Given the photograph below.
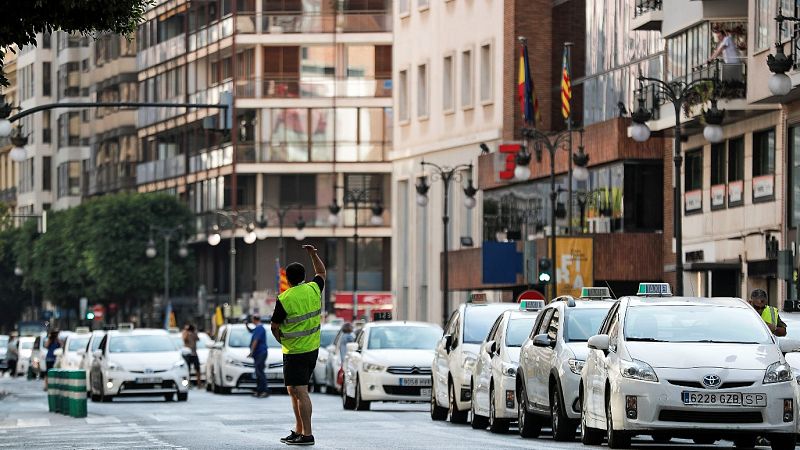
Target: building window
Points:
(423, 4)
(466, 79)
(298, 190)
(69, 80)
(69, 129)
(403, 6)
(764, 165)
(718, 175)
(403, 96)
(693, 183)
(26, 82)
(447, 84)
(765, 14)
(794, 173)
(486, 73)
(69, 179)
(422, 91)
(47, 173)
(46, 79)
(735, 171)
(46, 127)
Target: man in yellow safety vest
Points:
(296, 325)
(758, 298)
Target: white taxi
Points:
(551, 360)
(71, 355)
(25, 352)
(699, 368)
(389, 362)
(456, 356)
(141, 362)
(494, 380)
(88, 355)
(228, 367)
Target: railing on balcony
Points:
(160, 169)
(163, 51)
(303, 151)
(211, 159)
(289, 22)
(646, 6)
(211, 33)
(113, 177)
(211, 94)
(297, 87)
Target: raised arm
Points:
(319, 267)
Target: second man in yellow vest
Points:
(758, 298)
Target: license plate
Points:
(274, 376)
(415, 381)
(724, 399)
(148, 380)
(425, 392)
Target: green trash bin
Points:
(52, 393)
(74, 391)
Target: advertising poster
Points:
(573, 264)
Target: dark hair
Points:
(295, 273)
(255, 317)
(758, 294)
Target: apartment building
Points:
(8, 168)
(311, 86)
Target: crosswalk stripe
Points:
(29, 423)
(102, 420)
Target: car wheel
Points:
(361, 405)
(745, 442)
(456, 416)
(563, 427)
(661, 438)
(478, 422)
(437, 412)
(783, 441)
(496, 425)
(183, 396)
(706, 440)
(348, 403)
(529, 425)
(616, 438)
(225, 390)
(215, 387)
(169, 397)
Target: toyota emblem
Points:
(712, 381)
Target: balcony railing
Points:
(211, 94)
(646, 6)
(302, 151)
(298, 22)
(160, 169)
(161, 52)
(211, 33)
(111, 178)
(297, 87)
(211, 159)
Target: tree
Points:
(12, 297)
(22, 19)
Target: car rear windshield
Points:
(518, 331)
(144, 343)
(694, 323)
(240, 338)
(327, 337)
(478, 320)
(76, 344)
(412, 338)
(96, 342)
(583, 323)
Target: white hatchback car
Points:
(494, 380)
(25, 352)
(71, 355)
(456, 356)
(95, 338)
(699, 368)
(389, 362)
(228, 367)
(551, 361)
(328, 333)
(141, 362)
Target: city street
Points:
(209, 421)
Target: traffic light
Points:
(89, 315)
(545, 270)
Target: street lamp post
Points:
(280, 212)
(446, 174)
(214, 239)
(168, 234)
(678, 93)
(358, 197)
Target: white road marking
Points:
(29, 423)
(102, 420)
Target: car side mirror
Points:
(543, 340)
(599, 342)
(788, 345)
(352, 347)
(448, 342)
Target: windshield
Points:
(240, 338)
(327, 337)
(518, 331)
(26, 345)
(583, 323)
(96, 342)
(76, 344)
(412, 338)
(478, 320)
(694, 323)
(143, 343)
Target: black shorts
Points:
(298, 368)
(192, 360)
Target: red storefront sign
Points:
(368, 304)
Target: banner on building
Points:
(574, 264)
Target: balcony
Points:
(302, 151)
(211, 159)
(111, 178)
(297, 87)
(160, 169)
(289, 22)
(647, 15)
(211, 94)
(161, 52)
(149, 116)
(211, 33)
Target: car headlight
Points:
(179, 364)
(114, 366)
(778, 372)
(509, 370)
(576, 366)
(469, 361)
(369, 367)
(637, 370)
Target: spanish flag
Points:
(566, 85)
(529, 104)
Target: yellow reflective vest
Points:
(770, 315)
(300, 330)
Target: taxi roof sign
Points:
(654, 290)
(477, 297)
(531, 305)
(595, 292)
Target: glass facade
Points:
(614, 55)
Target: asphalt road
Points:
(212, 421)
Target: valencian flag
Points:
(281, 283)
(566, 85)
(528, 102)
